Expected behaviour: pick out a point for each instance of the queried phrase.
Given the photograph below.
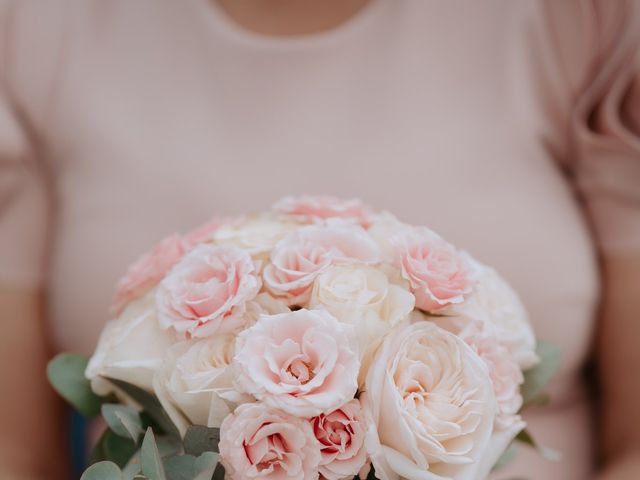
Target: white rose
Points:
(497, 306)
(263, 304)
(363, 297)
(194, 384)
(430, 406)
(384, 226)
(257, 235)
(130, 348)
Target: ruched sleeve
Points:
(23, 199)
(604, 125)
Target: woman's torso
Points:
(163, 113)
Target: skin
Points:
(32, 440)
(31, 435)
(618, 356)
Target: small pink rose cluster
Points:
(322, 337)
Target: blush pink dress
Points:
(510, 127)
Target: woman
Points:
(511, 127)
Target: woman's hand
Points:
(618, 344)
(32, 440)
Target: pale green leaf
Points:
(102, 471)
(150, 458)
(537, 378)
(123, 420)
(167, 446)
(149, 403)
(180, 467)
(66, 375)
(207, 462)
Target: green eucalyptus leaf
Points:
(150, 458)
(525, 437)
(203, 476)
(114, 448)
(102, 471)
(167, 446)
(188, 467)
(200, 439)
(150, 404)
(207, 462)
(66, 375)
(180, 467)
(123, 420)
(537, 378)
(132, 469)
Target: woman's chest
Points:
(495, 194)
(154, 148)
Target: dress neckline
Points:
(226, 26)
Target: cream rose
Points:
(304, 362)
(497, 306)
(130, 348)
(258, 441)
(195, 383)
(207, 291)
(363, 297)
(257, 235)
(430, 404)
(299, 258)
(341, 435)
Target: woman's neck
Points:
(290, 17)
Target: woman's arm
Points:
(618, 346)
(32, 440)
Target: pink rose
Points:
(341, 434)
(147, 271)
(205, 232)
(261, 442)
(206, 292)
(304, 363)
(299, 258)
(437, 273)
(310, 208)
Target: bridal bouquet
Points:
(317, 340)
